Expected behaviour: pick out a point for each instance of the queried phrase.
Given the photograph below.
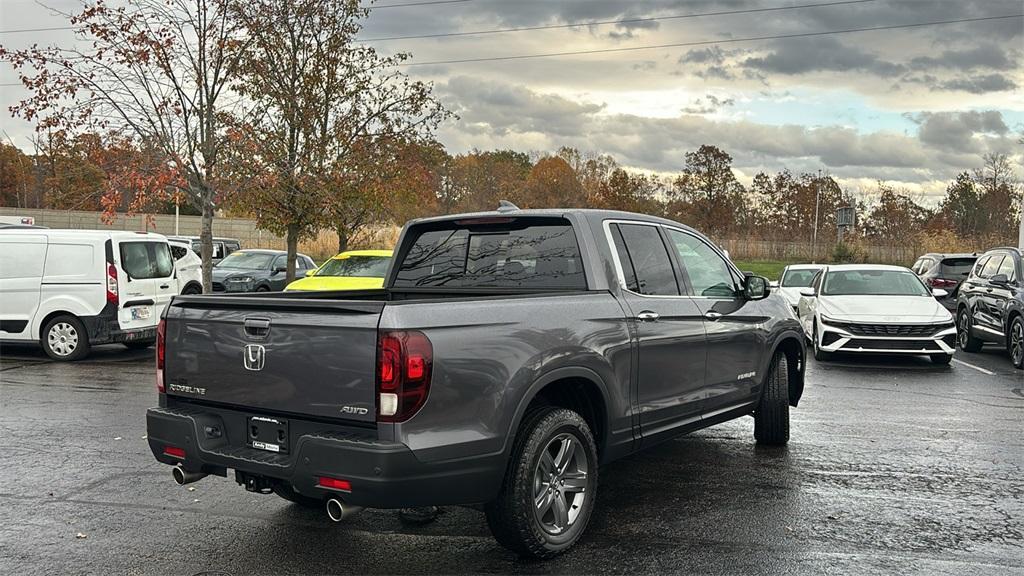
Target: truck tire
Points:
(554, 460)
(64, 338)
(771, 419)
(285, 491)
(964, 338)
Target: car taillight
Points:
(112, 284)
(941, 283)
(334, 483)
(161, 347)
(404, 362)
(174, 451)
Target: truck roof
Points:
(591, 214)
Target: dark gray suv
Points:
(257, 271)
(990, 306)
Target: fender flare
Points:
(543, 380)
(798, 338)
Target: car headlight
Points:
(239, 279)
(832, 321)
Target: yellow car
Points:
(353, 270)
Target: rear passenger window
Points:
(652, 267)
(143, 260)
(530, 253)
(980, 265)
(178, 252)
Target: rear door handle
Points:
(648, 316)
(712, 315)
(165, 286)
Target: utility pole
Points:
(817, 206)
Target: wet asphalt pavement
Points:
(895, 466)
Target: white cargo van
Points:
(71, 289)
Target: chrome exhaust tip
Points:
(182, 476)
(338, 510)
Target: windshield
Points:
(247, 261)
(873, 282)
(798, 278)
(356, 267)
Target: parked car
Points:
(72, 289)
(990, 307)
(945, 271)
(188, 267)
(257, 271)
(875, 309)
(352, 270)
(509, 355)
(795, 278)
(222, 247)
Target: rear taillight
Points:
(161, 347)
(174, 451)
(404, 361)
(334, 483)
(112, 284)
(941, 283)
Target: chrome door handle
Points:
(712, 315)
(648, 316)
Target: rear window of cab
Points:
(498, 252)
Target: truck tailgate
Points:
(309, 357)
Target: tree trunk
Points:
(206, 239)
(342, 238)
(292, 239)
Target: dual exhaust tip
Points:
(336, 509)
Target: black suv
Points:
(946, 272)
(990, 306)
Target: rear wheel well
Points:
(51, 316)
(581, 396)
(794, 352)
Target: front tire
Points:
(550, 487)
(1015, 342)
(771, 419)
(964, 339)
(64, 338)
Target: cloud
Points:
(958, 131)
(988, 56)
(979, 84)
(821, 54)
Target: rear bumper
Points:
(105, 329)
(382, 474)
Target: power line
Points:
(708, 42)
(603, 22)
(382, 6)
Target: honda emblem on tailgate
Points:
(254, 357)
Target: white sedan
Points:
(876, 309)
(794, 279)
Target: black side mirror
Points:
(1000, 280)
(280, 269)
(756, 288)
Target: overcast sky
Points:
(909, 106)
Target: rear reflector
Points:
(161, 351)
(174, 451)
(334, 483)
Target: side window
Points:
(1008, 268)
(652, 267)
(142, 260)
(628, 274)
(816, 282)
(980, 266)
(178, 252)
(164, 262)
(279, 262)
(918, 266)
(991, 266)
(708, 273)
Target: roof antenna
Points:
(506, 206)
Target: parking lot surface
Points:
(895, 466)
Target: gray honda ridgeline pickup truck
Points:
(509, 356)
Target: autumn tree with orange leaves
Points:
(155, 72)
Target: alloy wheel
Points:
(963, 330)
(1017, 342)
(560, 484)
(62, 338)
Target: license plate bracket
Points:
(268, 433)
(140, 312)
